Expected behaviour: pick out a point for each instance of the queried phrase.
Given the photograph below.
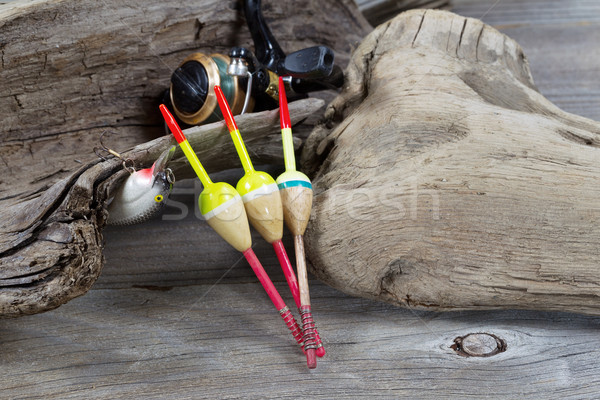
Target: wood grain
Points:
(445, 181)
(51, 244)
(224, 341)
(71, 70)
(194, 338)
(564, 69)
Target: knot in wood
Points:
(479, 345)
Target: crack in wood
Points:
(418, 29)
(460, 37)
(477, 42)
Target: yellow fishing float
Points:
(223, 208)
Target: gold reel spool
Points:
(215, 77)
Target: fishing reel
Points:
(248, 79)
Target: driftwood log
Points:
(51, 244)
(446, 181)
(162, 324)
(73, 69)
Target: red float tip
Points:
(172, 124)
(321, 352)
(311, 358)
(225, 110)
(284, 114)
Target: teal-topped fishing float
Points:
(296, 193)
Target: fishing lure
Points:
(143, 194)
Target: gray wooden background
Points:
(177, 313)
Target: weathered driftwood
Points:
(125, 339)
(73, 69)
(51, 244)
(446, 181)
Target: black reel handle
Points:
(313, 63)
(267, 50)
(310, 63)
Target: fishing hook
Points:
(103, 152)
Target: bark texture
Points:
(73, 69)
(445, 181)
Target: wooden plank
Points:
(225, 341)
(214, 334)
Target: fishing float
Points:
(296, 197)
(262, 201)
(223, 209)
